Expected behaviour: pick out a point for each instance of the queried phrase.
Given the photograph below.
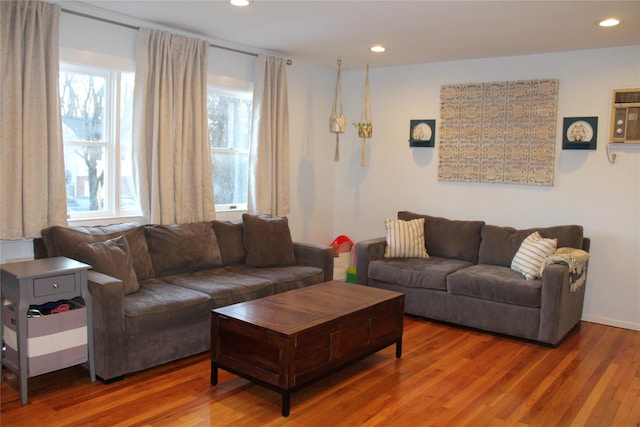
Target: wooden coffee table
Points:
(286, 341)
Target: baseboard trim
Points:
(612, 322)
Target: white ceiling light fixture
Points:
(240, 3)
(609, 22)
(378, 48)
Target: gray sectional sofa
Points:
(468, 280)
(154, 286)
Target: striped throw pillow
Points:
(405, 239)
(531, 255)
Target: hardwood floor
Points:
(446, 376)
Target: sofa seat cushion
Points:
(223, 287)
(428, 273)
(283, 278)
(160, 306)
(495, 283)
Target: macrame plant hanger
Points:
(365, 127)
(337, 121)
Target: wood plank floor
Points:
(447, 376)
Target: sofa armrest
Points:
(315, 255)
(560, 308)
(107, 295)
(367, 251)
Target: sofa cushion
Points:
(283, 278)
(405, 239)
(500, 244)
(65, 241)
(428, 273)
(182, 248)
(449, 238)
(230, 236)
(532, 253)
(267, 241)
(112, 258)
(224, 287)
(160, 306)
(495, 283)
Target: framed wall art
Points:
(422, 133)
(580, 133)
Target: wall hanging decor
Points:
(499, 132)
(579, 133)
(422, 133)
(364, 126)
(337, 120)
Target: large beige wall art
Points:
(498, 132)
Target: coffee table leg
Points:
(214, 373)
(286, 403)
(399, 348)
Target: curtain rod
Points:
(134, 27)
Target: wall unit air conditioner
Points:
(625, 116)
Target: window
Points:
(229, 132)
(96, 108)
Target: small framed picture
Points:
(580, 133)
(422, 133)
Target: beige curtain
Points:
(32, 194)
(269, 151)
(170, 135)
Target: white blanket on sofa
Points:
(575, 259)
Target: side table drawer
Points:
(54, 285)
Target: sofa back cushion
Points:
(500, 244)
(66, 241)
(182, 248)
(230, 236)
(447, 238)
(267, 241)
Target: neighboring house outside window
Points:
(96, 108)
(229, 134)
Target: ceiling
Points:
(414, 32)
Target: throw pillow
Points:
(267, 241)
(112, 258)
(405, 239)
(531, 255)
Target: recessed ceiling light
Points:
(377, 48)
(240, 3)
(610, 22)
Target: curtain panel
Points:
(170, 134)
(269, 191)
(32, 177)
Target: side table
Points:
(36, 282)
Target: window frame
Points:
(245, 93)
(111, 143)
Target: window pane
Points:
(229, 127)
(84, 176)
(230, 177)
(82, 102)
(128, 194)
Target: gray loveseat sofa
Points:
(467, 278)
(154, 286)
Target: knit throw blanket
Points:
(575, 259)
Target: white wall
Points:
(588, 190)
